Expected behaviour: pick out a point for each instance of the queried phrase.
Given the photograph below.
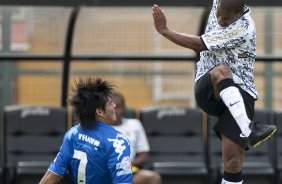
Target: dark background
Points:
(129, 2)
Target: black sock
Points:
(233, 177)
(225, 83)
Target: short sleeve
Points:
(119, 162)
(59, 165)
(142, 143)
(225, 38)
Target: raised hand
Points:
(159, 19)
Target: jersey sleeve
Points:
(142, 144)
(59, 165)
(119, 162)
(225, 38)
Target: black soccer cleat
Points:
(260, 132)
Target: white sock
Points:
(227, 182)
(232, 98)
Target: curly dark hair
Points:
(89, 95)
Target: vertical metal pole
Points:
(6, 67)
(67, 55)
(157, 79)
(268, 66)
(5, 75)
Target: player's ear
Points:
(99, 112)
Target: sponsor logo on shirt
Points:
(124, 167)
(246, 55)
(226, 36)
(118, 144)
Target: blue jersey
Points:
(94, 156)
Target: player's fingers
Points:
(156, 9)
(158, 15)
(155, 13)
(155, 6)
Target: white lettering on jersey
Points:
(118, 144)
(89, 139)
(124, 166)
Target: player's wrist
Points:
(164, 31)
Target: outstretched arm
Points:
(189, 41)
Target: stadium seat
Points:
(278, 122)
(176, 142)
(32, 138)
(259, 162)
(1, 176)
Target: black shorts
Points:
(226, 124)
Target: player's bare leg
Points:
(232, 157)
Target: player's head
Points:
(119, 100)
(228, 11)
(92, 101)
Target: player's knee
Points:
(233, 165)
(220, 72)
(148, 177)
(152, 178)
(156, 178)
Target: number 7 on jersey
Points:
(80, 155)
